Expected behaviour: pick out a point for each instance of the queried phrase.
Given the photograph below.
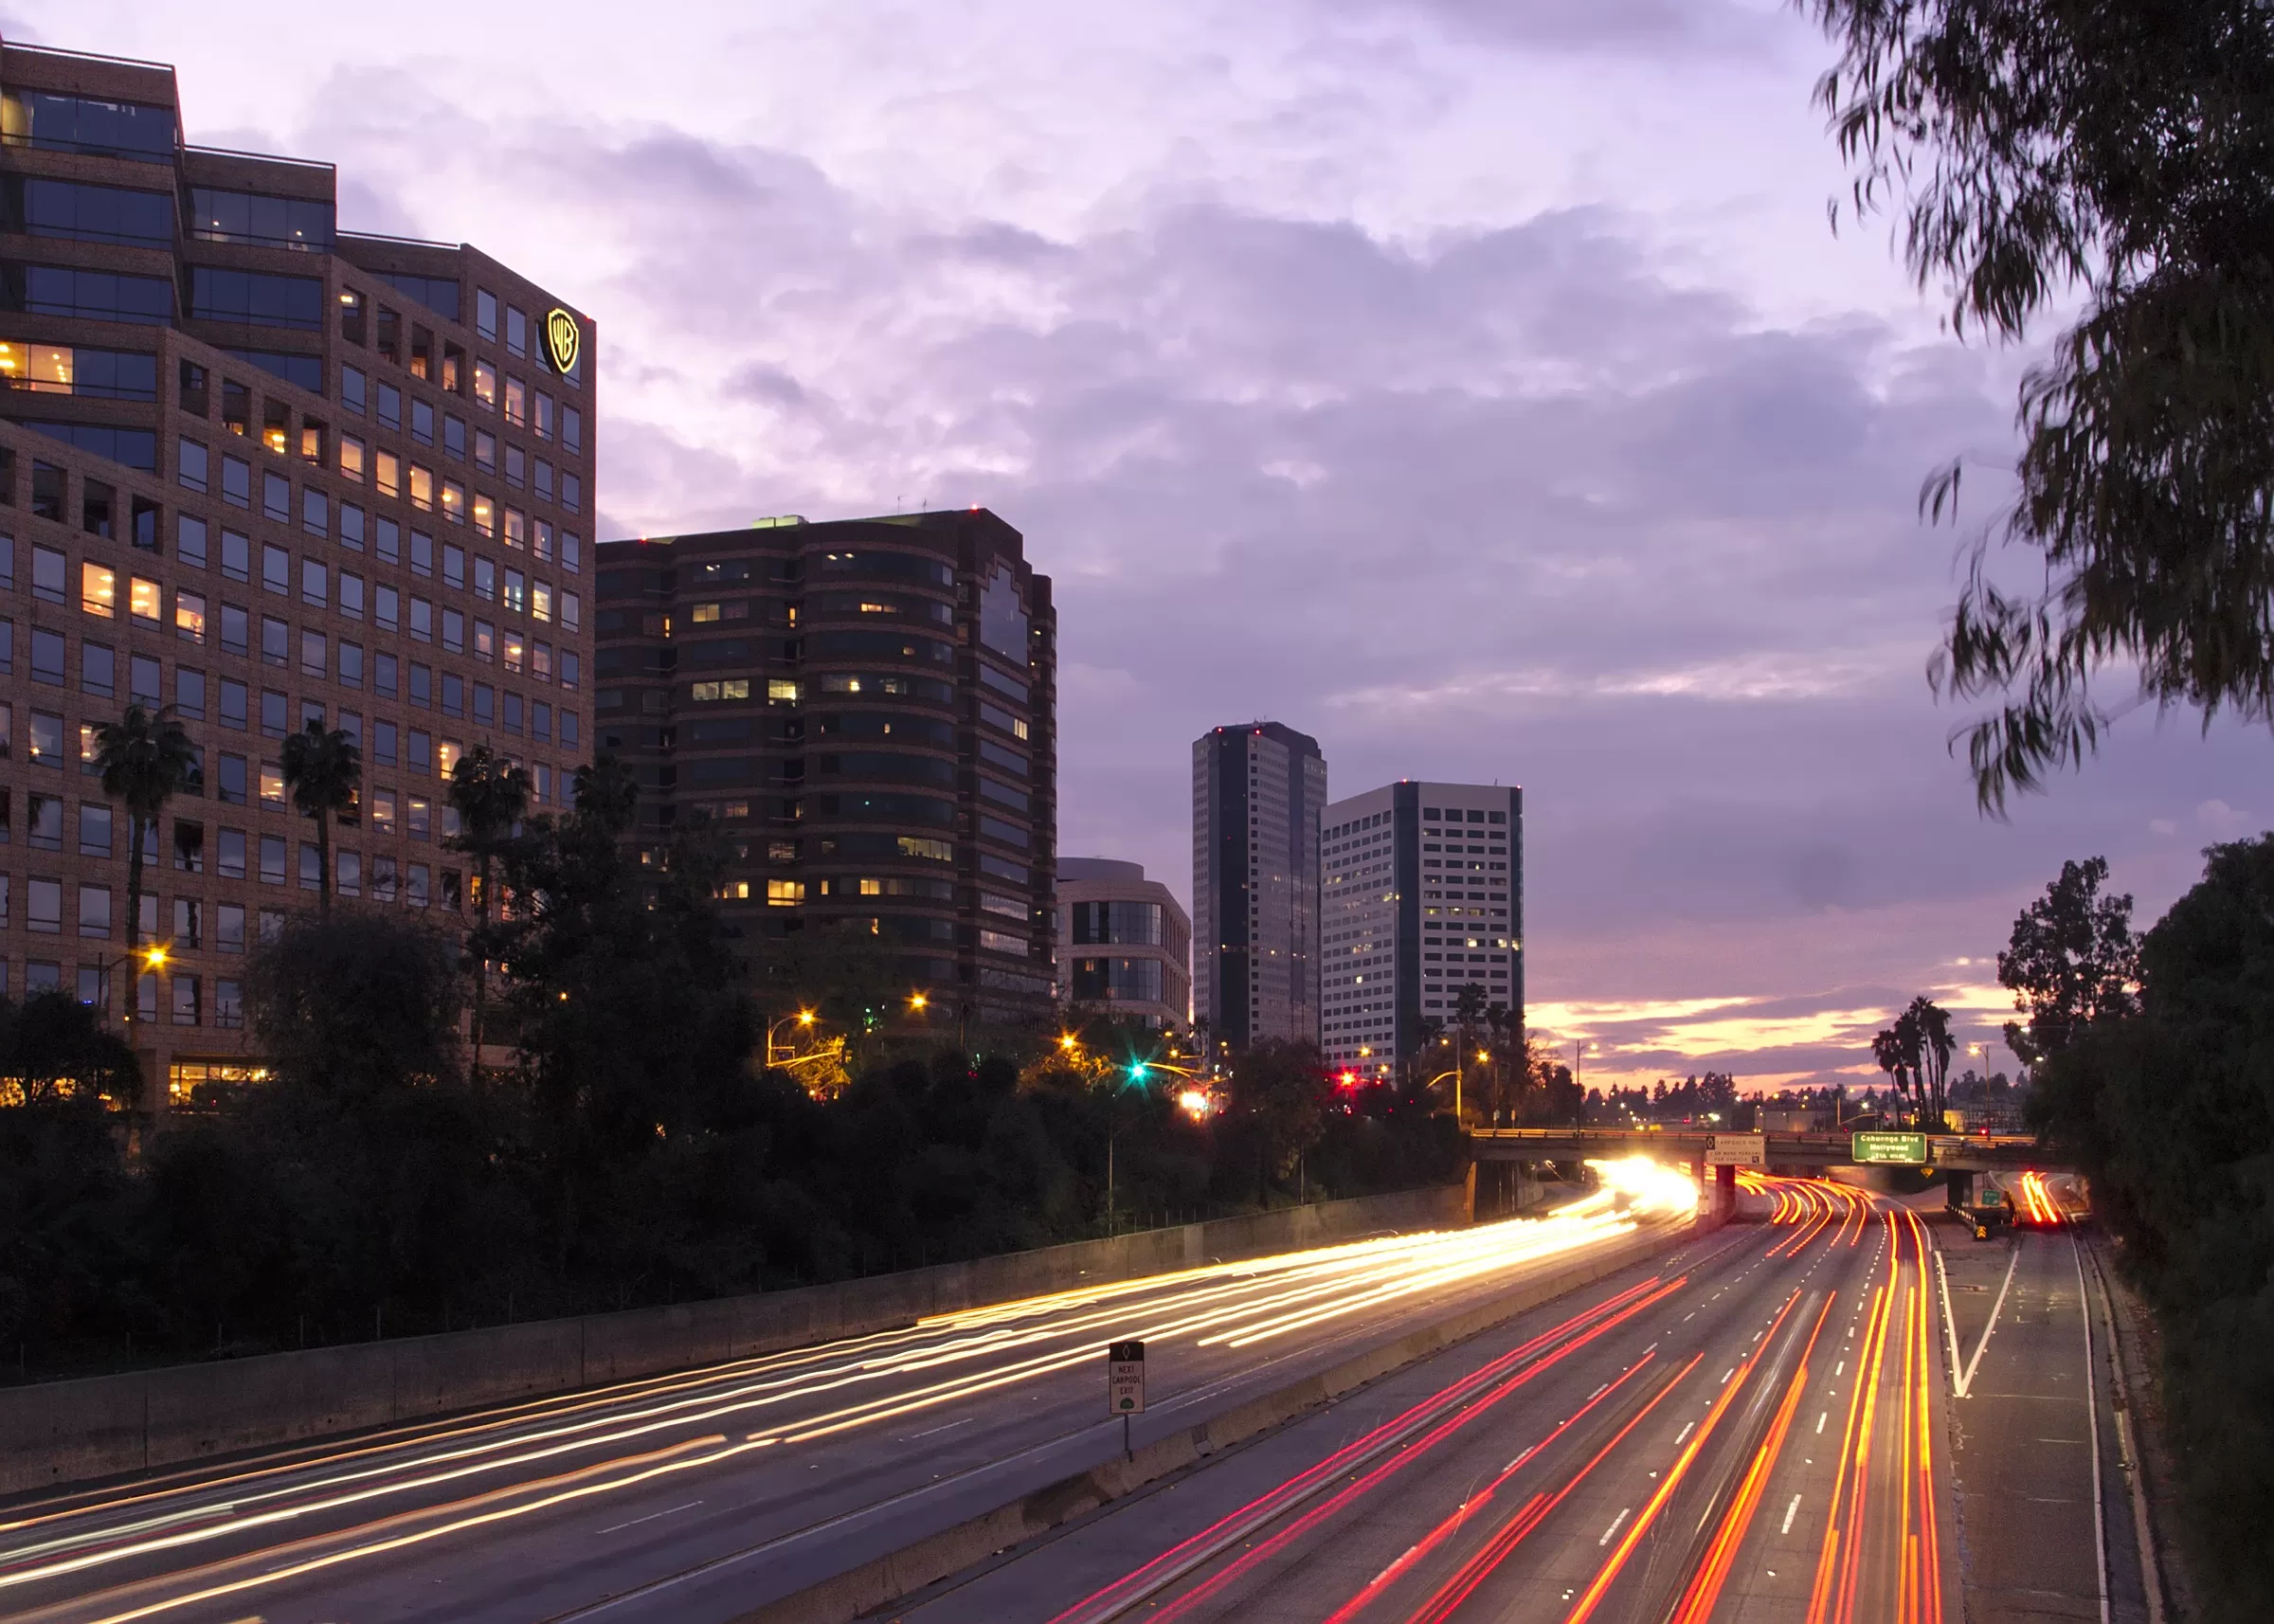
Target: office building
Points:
(869, 707)
(1124, 942)
(264, 471)
(1421, 895)
(1257, 791)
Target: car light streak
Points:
(1481, 1501)
(1705, 1588)
(1480, 1566)
(1592, 1597)
(1337, 1282)
(377, 1547)
(1459, 1399)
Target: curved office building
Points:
(1124, 942)
(868, 708)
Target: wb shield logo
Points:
(561, 337)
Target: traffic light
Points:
(1137, 1070)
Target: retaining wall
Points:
(67, 1432)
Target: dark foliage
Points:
(2072, 960)
(638, 1151)
(2171, 1113)
(2125, 151)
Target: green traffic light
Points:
(1137, 1070)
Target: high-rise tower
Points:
(1257, 791)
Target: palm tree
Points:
(323, 770)
(489, 794)
(143, 758)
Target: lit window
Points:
(272, 783)
(388, 474)
(703, 614)
(734, 890)
(98, 590)
(485, 383)
(727, 687)
(513, 650)
(782, 690)
(485, 510)
(143, 599)
(447, 756)
(784, 893)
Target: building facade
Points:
(869, 707)
(1124, 942)
(1421, 895)
(266, 472)
(1257, 791)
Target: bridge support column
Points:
(1958, 1185)
(1724, 1193)
(1469, 1193)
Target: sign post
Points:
(1738, 1150)
(1124, 1385)
(1890, 1150)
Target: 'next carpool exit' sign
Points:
(1906, 1149)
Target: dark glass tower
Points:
(869, 707)
(1256, 794)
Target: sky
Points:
(1478, 386)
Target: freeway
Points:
(1747, 1427)
(699, 1495)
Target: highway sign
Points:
(1903, 1149)
(1738, 1150)
(1125, 1378)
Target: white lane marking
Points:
(948, 1428)
(651, 1517)
(2092, 1410)
(1788, 1515)
(1843, 1368)
(1950, 1325)
(1614, 1528)
(1966, 1381)
(1683, 1433)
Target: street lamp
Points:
(802, 1017)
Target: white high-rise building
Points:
(1257, 791)
(1421, 894)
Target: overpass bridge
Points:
(1965, 1152)
(1959, 1156)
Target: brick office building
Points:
(869, 707)
(264, 471)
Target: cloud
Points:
(1621, 27)
(1336, 374)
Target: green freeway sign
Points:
(1909, 1149)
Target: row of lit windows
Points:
(411, 749)
(390, 476)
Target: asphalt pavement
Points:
(1748, 1427)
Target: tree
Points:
(356, 1005)
(489, 794)
(2168, 1109)
(1915, 1051)
(2072, 960)
(323, 770)
(1281, 1087)
(2045, 148)
(54, 1047)
(144, 758)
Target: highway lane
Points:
(698, 1495)
(1745, 1428)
